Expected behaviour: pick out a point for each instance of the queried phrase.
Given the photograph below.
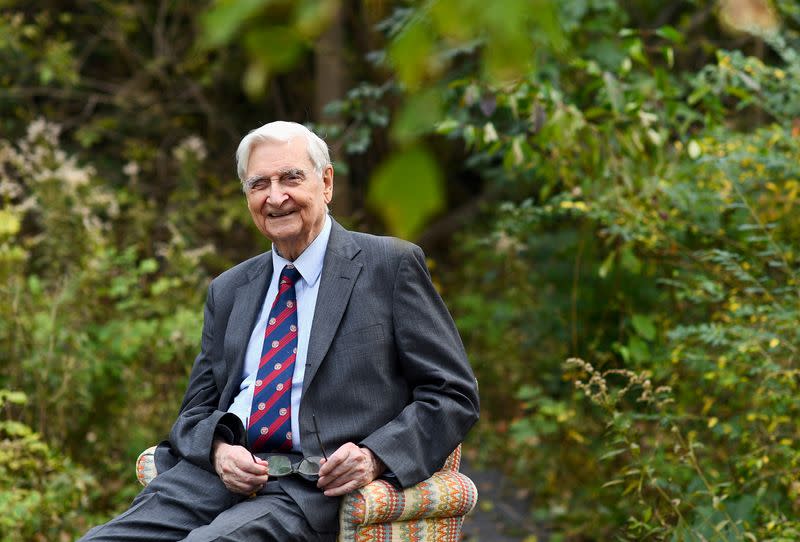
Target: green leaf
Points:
(612, 453)
(638, 349)
(407, 190)
(46, 74)
(148, 265)
(417, 116)
(162, 286)
(34, 285)
(276, 47)
(457, 19)
(312, 16)
(447, 126)
(629, 261)
(221, 22)
(513, 36)
(644, 326)
(615, 96)
(669, 56)
(13, 397)
(670, 33)
(607, 266)
(410, 52)
(697, 94)
(527, 392)
(16, 429)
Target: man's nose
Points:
(277, 195)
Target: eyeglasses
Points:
(281, 465)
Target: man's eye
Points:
(258, 185)
(293, 178)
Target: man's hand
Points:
(349, 468)
(235, 466)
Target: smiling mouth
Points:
(279, 215)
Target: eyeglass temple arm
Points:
(319, 440)
(246, 443)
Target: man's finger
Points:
(341, 482)
(352, 479)
(338, 463)
(343, 469)
(342, 490)
(245, 484)
(240, 473)
(337, 458)
(257, 469)
(337, 477)
(359, 471)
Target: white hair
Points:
(282, 131)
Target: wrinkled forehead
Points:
(273, 155)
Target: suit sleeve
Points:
(199, 420)
(444, 396)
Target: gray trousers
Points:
(191, 504)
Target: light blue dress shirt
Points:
(309, 263)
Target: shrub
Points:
(43, 495)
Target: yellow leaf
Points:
(9, 223)
(576, 436)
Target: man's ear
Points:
(327, 181)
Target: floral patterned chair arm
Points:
(431, 511)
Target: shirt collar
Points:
(309, 263)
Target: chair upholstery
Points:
(431, 511)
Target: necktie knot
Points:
(290, 274)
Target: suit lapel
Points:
(339, 273)
(247, 303)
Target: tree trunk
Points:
(331, 85)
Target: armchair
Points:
(431, 511)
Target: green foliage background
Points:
(608, 192)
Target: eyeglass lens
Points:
(281, 465)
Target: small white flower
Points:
(131, 169)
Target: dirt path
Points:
(503, 511)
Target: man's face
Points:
(287, 198)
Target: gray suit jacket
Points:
(386, 368)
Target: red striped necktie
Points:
(271, 413)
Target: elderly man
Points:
(333, 341)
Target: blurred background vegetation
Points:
(607, 191)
